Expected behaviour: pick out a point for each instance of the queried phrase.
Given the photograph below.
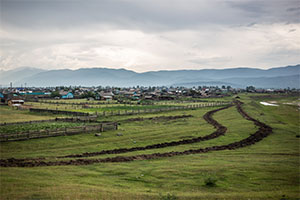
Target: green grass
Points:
(8, 114)
(92, 108)
(267, 170)
(37, 126)
(124, 107)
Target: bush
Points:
(168, 197)
(211, 182)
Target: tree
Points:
(88, 94)
(55, 94)
(250, 88)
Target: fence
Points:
(58, 132)
(113, 102)
(76, 103)
(84, 119)
(62, 112)
(131, 112)
(154, 110)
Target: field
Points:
(100, 107)
(9, 115)
(77, 167)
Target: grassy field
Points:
(267, 170)
(8, 115)
(38, 126)
(92, 108)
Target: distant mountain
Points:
(17, 74)
(260, 82)
(268, 82)
(281, 77)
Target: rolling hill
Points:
(281, 77)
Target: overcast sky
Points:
(145, 35)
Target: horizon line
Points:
(290, 65)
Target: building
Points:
(66, 95)
(106, 96)
(11, 99)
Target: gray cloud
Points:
(293, 9)
(146, 15)
(142, 34)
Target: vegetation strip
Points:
(263, 131)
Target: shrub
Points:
(211, 182)
(167, 197)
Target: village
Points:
(15, 96)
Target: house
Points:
(136, 96)
(107, 96)
(35, 94)
(66, 95)
(166, 97)
(128, 94)
(11, 99)
(148, 97)
(2, 100)
(15, 102)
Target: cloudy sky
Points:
(144, 35)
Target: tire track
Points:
(263, 131)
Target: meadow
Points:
(37, 126)
(269, 169)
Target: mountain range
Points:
(280, 77)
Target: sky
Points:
(149, 35)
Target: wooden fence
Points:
(155, 110)
(75, 103)
(58, 132)
(125, 103)
(84, 119)
(131, 112)
(62, 112)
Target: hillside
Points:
(281, 77)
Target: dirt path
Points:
(263, 131)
